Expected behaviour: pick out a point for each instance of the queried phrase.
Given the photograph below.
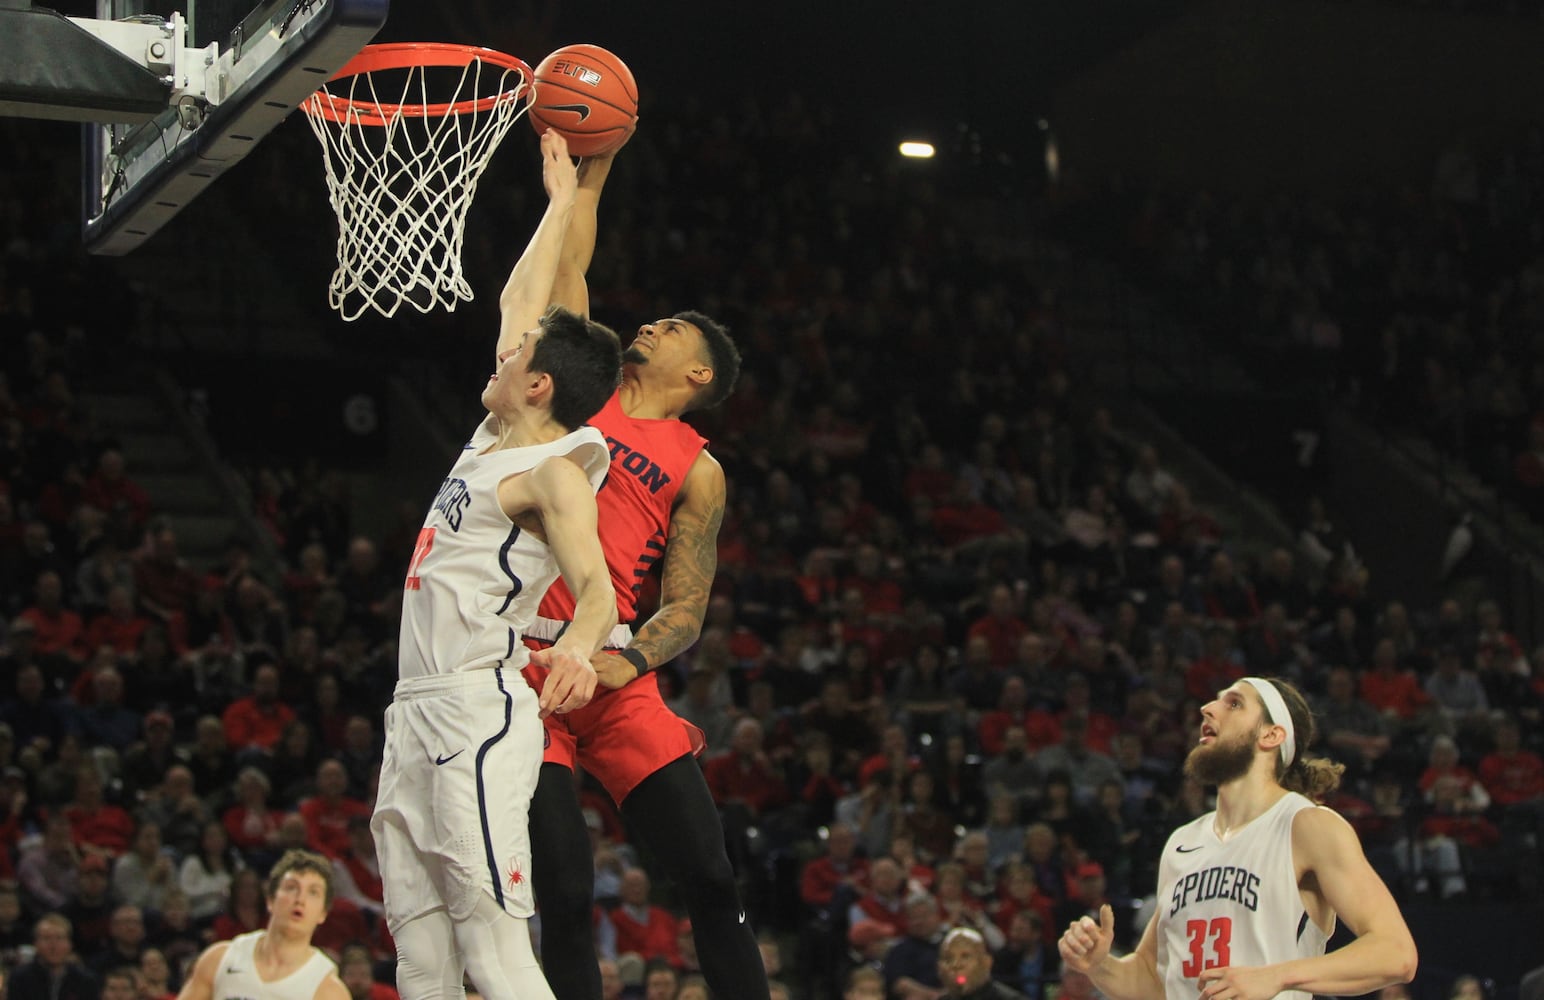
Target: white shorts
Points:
(463, 751)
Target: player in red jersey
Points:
(663, 499)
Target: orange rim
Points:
(412, 55)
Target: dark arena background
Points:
(1209, 342)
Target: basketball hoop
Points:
(404, 141)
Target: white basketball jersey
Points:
(1234, 902)
(476, 578)
(237, 979)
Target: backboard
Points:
(245, 68)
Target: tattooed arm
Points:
(691, 559)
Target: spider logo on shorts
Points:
(516, 876)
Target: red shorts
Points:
(621, 737)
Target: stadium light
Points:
(917, 150)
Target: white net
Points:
(401, 173)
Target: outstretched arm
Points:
(1330, 856)
(530, 285)
(691, 559)
(571, 291)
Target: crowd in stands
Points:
(961, 630)
(1423, 307)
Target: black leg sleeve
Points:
(563, 877)
(673, 813)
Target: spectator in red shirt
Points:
(60, 632)
(962, 518)
(1013, 712)
(164, 582)
(882, 595)
(1001, 626)
(95, 824)
(885, 900)
(251, 823)
(1099, 729)
(358, 871)
(328, 812)
(245, 911)
(110, 489)
(930, 477)
(1451, 815)
(1494, 644)
(1442, 762)
(257, 721)
(744, 777)
(1511, 774)
(834, 881)
(1215, 668)
(643, 928)
(355, 968)
(1390, 689)
(1020, 893)
(1228, 595)
(120, 626)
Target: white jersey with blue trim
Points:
(476, 578)
(1232, 902)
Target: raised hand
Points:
(559, 175)
(1085, 943)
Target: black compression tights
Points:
(673, 814)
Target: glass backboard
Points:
(261, 62)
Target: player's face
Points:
(666, 346)
(506, 381)
(300, 903)
(963, 966)
(1230, 730)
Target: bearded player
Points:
(1248, 895)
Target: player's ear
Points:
(700, 374)
(1273, 736)
(539, 386)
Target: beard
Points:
(633, 356)
(1220, 763)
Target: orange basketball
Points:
(588, 95)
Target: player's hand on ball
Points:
(611, 670)
(1085, 943)
(559, 175)
(570, 681)
(1239, 983)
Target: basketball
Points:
(588, 95)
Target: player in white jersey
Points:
(1249, 894)
(277, 963)
(463, 733)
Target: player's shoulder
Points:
(331, 987)
(1312, 819)
(219, 948)
(705, 473)
(559, 470)
(210, 958)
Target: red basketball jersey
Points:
(649, 462)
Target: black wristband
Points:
(636, 659)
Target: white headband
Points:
(1276, 708)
